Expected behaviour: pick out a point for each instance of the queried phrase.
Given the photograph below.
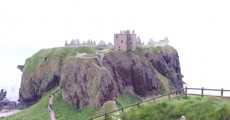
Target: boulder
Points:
(108, 106)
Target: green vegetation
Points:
(38, 111)
(64, 111)
(157, 50)
(52, 53)
(108, 106)
(165, 87)
(126, 99)
(193, 108)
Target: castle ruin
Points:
(125, 41)
(158, 43)
(76, 43)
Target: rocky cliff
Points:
(146, 72)
(42, 71)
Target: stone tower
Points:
(125, 41)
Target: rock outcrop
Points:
(2, 94)
(148, 71)
(20, 67)
(9, 105)
(108, 106)
(42, 71)
(84, 82)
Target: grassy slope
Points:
(156, 50)
(39, 111)
(51, 53)
(126, 99)
(64, 111)
(193, 108)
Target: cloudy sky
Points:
(199, 30)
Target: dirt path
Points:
(50, 107)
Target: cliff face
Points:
(42, 71)
(85, 82)
(146, 72)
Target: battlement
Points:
(127, 32)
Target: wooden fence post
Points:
(202, 91)
(169, 96)
(138, 105)
(122, 109)
(186, 91)
(222, 92)
(105, 115)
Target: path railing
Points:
(180, 92)
(221, 92)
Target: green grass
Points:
(126, 99)
(165, 83)
(64, 111)
(193, 108)
(38, 111)
(156, 50)
(52, 53)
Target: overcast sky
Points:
(198, 29)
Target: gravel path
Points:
(50, 108)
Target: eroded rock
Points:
(84, 83)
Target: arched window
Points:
(121, 41)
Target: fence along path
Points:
(181, 92)
(221, 91)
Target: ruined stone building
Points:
(125, 41)
(76, 43)
(158, 43)
(138, 41)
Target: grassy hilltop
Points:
(44, 70)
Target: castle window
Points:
(131, 43)
(116, 36)
(129, 38)
(121, 41)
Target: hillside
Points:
(90, 84)
(193, 108)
